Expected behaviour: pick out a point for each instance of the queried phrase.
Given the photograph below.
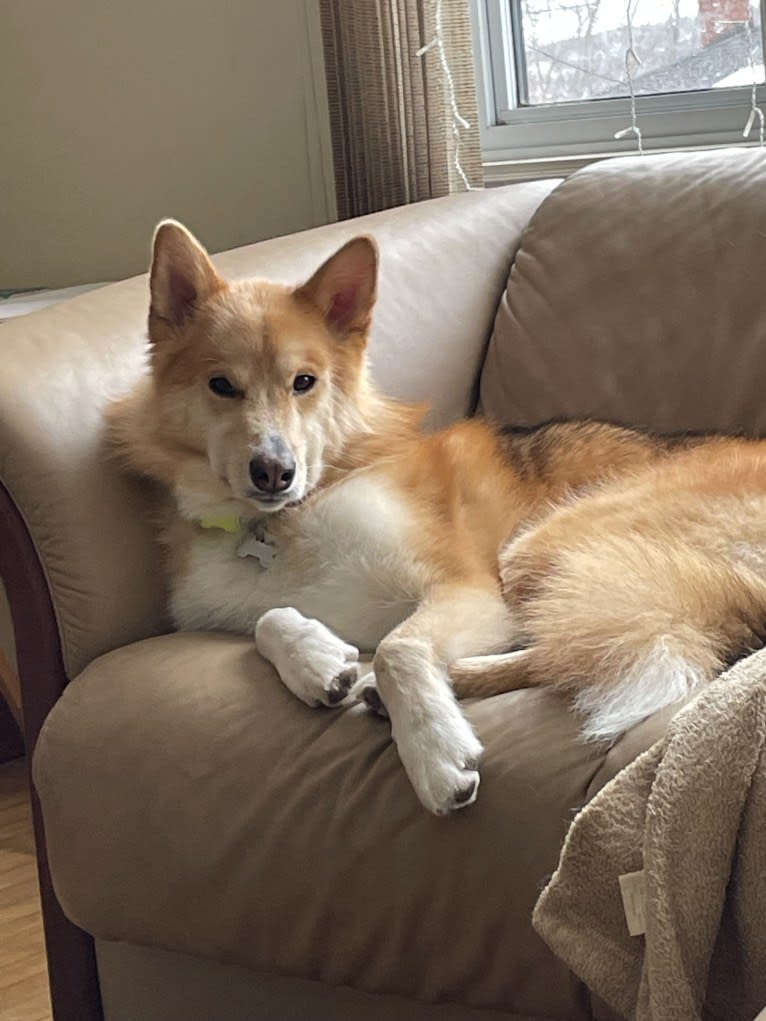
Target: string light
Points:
(755, 110)
(632, 60)
(458, 121)
(630, 54)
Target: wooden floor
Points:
(23, 978)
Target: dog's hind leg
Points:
(436, 744)
(482, 676)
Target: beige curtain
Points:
(390, 110)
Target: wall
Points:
(116, 113)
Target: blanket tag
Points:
(633, 889)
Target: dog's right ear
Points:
(182, 275)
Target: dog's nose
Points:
(273, 474)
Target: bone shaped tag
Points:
(263, 550)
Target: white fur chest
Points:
(344, 558)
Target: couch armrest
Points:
(444, 266)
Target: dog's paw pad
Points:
(467, 794)
(341, 685)
(461, 792)
(371, 698)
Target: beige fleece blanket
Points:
(691, 813)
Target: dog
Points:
(624, 568)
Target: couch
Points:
(211, 849)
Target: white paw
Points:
(440, 753)
(317, 666)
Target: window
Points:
(555, 78)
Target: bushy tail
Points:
(658, 678)
(627, 628)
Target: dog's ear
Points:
(182, 275)
(343, 288)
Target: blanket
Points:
(686, 823)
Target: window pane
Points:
(575, 49)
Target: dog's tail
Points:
(653, 680)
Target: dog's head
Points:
(262, 380)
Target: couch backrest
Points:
(638, 295)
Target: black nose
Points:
(273, 474)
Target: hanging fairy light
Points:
(631, 60)
(755, 111)
(459, 122)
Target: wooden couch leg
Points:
(72, 973)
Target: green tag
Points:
(230, 524)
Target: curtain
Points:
(391, 111)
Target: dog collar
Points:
(256, 542)
(229, 524)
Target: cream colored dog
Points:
(312, 510)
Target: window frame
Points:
(541, 141)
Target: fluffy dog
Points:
(624, 568)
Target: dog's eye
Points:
(303, 383)
(221, 386)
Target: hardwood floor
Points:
(23, 975)
(10, 688)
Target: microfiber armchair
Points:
(210, 848)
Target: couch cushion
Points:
(637, 295)
(192, 804)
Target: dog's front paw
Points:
(317, 666)
(440, 754)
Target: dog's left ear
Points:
(343, 288)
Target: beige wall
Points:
(116, 113)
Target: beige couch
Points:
(230, 853)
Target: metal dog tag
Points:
(262, 550)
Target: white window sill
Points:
(510, 171)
